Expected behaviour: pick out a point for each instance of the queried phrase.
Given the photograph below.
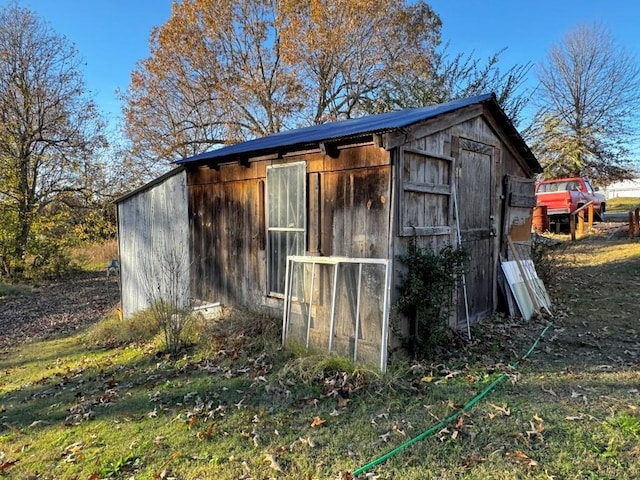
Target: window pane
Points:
(282, 244)
(286, 196)
(286, 207)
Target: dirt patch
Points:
(59, 307)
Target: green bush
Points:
(426, 295)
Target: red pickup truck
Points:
(564, 195)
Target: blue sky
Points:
(111, 35)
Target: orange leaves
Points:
(165, 473)
(207, 434)
(73, 452)
(536, 428)
(226, 70)
(499, 411)
(317, 422)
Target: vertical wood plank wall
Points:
(482, 158)
(348, 215)
(151, 224)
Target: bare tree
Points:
(48, 126)
(454, 77)
(585, 124)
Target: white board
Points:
(526, 304)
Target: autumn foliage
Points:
(222, 71)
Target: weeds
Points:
(94, 256)
(114, 331)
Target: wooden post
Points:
(636, 221)
(591, 216)
(572, 226)
(581, 222)
(631, 226)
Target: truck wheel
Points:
(602, 210)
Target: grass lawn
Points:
(622, 204)
(237, 406)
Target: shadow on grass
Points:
(132, 389)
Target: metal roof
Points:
(311, 136)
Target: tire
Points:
(603, 207)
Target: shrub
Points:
(426, 295)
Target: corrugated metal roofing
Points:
(311, 136)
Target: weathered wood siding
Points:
(471, 144)
(152, 239)
(347, 215)
(226, 217)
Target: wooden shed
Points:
(308, 223)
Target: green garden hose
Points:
(452, 417)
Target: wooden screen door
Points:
(475, 167)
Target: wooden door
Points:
(475, 166)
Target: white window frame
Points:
(271, 289)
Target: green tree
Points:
(586, 119)
(49, 130)
(223, 71)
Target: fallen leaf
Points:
(443, 434)
(73, 448)
(7, 465)
(273, 463)
(536, 429)
(503, 410)
(38, 422)
(317, 422)
(427, 379)
(549, 391)
(522, 457)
